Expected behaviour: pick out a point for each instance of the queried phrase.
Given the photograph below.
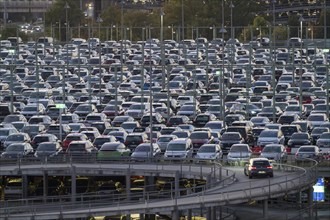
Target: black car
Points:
(228, 139)
(258, 167)
(298, 139)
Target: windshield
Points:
(46, 147)
(239, 148)
(176, 147)
(207, 149)
(268, 134)
(272, 150)
(15, 147)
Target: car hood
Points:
(239, 154)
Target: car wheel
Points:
(271, 175)
(250, 176)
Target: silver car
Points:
(239, 152)
(209, 152)
(275, 152)
(270, 136)
(142, 151)
(163, 140)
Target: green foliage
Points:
(12, 31)
(57, 13)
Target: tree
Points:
(57, 15)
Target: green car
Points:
(113, 150)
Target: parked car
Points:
(298, 139)
(134, 139)
(307, 152)
(239, 152)
(228, 139)
(113, 150)
(16, 138)
(17, 150)
(199, 138)
(40, 138)
(163, 141)
(258, 167)
(270, 136)
(324, 140)
(48, 149)
(142, 151)
(209, 152)
(180, 148)
(275, 152)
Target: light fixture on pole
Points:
(66, 7)
(99, 20)
(301, 20)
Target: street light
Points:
(221, 77)
(231, 19)
(162, 46)
(99, 20)
(66, 7)
(301, 20)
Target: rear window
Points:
(261, 163)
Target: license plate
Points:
(261, 172)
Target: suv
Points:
(258, 167)
(134, 139)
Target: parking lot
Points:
(188, 99)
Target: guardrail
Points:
(211, 194)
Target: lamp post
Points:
(162, 46)
(66, 7)
(99, 20)
(273, 64)
(221, 77)
(231, 19)
(182, 19)
(301, 20)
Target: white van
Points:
(179, 148)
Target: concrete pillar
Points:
(128, 185)
(209, 213)
(189, 214)
(25, 185)
(208, 181)
(175, 214)
(45, 184)
(213, 212)
(310, 202)
(177, 184)
(73, 184)
(265, 209)
(150, 217)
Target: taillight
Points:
(253, 168)
(269, 167)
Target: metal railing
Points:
(209, 194)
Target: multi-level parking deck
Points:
(224, 186)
